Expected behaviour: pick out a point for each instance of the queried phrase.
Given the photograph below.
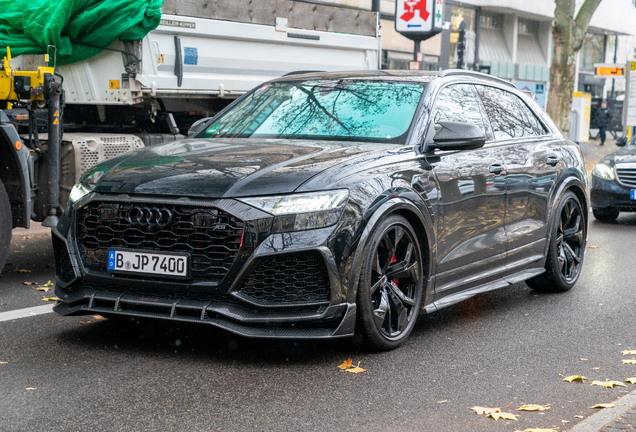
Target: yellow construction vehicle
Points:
(20, 85)
(28, 170)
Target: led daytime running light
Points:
(78, 192)
(300, 203)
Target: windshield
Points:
(325, 109)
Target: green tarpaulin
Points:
(79, 29)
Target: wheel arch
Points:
(422, 223)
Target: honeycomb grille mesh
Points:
(212, 249)
(290, 278)
(63, 266)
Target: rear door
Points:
(471, 242)
(533, 162)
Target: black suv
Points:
(323, 205)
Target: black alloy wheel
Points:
(566, 250)
(390, 290)
(606, 215)
(6, 224)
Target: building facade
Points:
(512, 39)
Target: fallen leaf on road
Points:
(97, 317)
(42, 289)
(592, 247)
(505, 416)
(532, 407)
(578, 416)
(604, 405)
(583, 359)
(4, 362)
(565, 421)
(31, 388)
(49, 299)
(444, 401)
(632, 361)
(631, 380)
(30, 283)
(609, 384)
(482, 410)
(356, 369)
(87, 322)
(48, 284)
(595, 368)
(346, 364)
(574, 378)
(629, 352)
(21, 271)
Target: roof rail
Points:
(451, 72)
(302, 72)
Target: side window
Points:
(457, 103)
(506, 113)
(533, 121)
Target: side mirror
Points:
(457, 136)
(621, 141)
(197, 125)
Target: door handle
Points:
(552, 160)
(496, 169)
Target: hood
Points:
(218, 168)
(625, 155)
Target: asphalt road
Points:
(510, 346)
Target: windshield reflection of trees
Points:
(330, 108)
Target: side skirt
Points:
(490, 286)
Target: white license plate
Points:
(148, 263)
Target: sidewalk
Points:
(620, 418)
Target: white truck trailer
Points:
(203, 55)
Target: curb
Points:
(607, 415)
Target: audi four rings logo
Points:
(154, 217)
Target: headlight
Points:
(302, 211)
(78, 192)
(603, 171)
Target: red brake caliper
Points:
(393, 260)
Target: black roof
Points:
(389, 75)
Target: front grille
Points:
(63, 267)
(212, 248)
(627, 176)
(290, 278)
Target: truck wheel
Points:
(5, 225)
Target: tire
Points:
(388, 307)
(606, 215)
(566, 249)
(6, 224)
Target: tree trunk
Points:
(568, 33)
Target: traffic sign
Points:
(419, 19)
(608, 70)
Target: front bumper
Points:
(81, 291)
(609, 194)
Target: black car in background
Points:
(613, 187)
(324, 205)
